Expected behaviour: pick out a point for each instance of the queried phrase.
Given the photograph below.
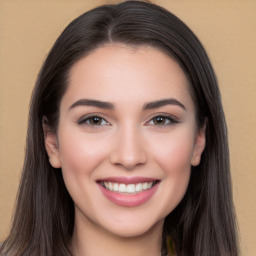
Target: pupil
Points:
(159, 120)
(96, 120)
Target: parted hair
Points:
(203, 224)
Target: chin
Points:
(134, 228)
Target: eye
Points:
(162, 120)
(93, 121)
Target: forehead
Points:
(144, 73)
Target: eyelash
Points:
(171, 120)
(167, 118)
(87, 118)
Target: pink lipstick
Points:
(128, 191)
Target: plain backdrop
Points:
(29, 28)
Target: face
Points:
(126, 139)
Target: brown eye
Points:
(93, 121)
(162, 121)
(159, 120)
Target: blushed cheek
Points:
(79, 159)
(174, 154)
(80, 155)
(177, 169)
(174, 161)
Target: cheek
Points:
(173, 152)
(173, 155)
(80, 154)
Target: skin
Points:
(126, 141)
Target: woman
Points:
(127, 144)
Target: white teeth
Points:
(138, 187)
(106, 185)
(115, 187)
(122, 188)
(144, 185)
(129, 188)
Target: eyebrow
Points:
(108, 105)
(161, 103)
(94, 103)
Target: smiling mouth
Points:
(127, 188)
(128, 191)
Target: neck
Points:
(91, 240)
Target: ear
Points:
(51, 144)
(199, 146)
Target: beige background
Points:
(226, 28)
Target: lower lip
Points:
(126, 200)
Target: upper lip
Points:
(127, 179)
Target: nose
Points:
(129, 149)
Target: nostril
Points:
(129, 163)
(128, 160)
(128, 148)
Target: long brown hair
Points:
(204, 221)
